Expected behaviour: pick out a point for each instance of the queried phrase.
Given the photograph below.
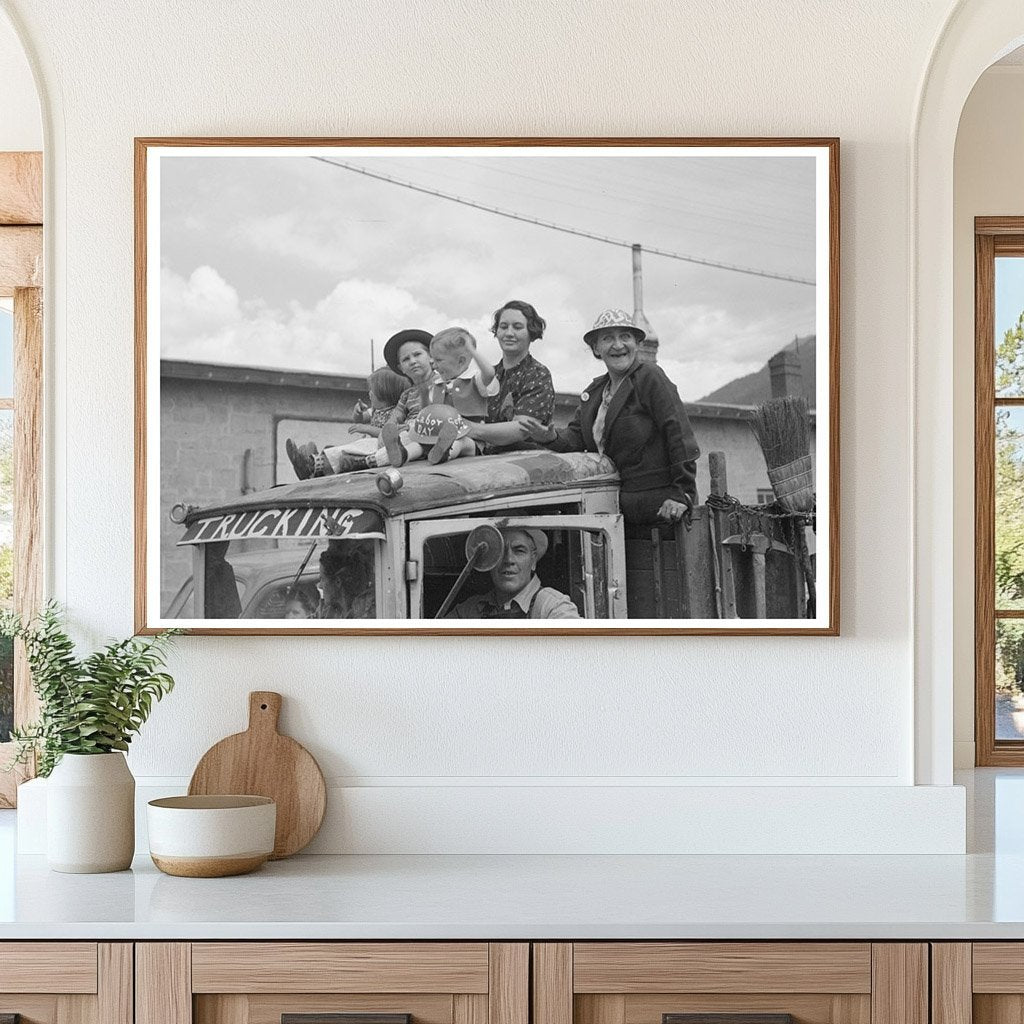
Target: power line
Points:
(560, 227)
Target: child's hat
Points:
(396, 341)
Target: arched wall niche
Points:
(976, 34)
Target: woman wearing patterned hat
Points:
(634, 415)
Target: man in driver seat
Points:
(516, 590)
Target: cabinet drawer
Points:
(65, 967)
(66, 982)
(730, 983)
(340, 967)
(634, 967)
(332, 983)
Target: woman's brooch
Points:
(585, 397)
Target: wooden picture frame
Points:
(271, 272)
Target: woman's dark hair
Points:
(535, 323)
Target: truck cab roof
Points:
(426, 486)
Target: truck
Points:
(261, 557)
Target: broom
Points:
(780, 427)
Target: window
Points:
(21, 254)
(999, 491)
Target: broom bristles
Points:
(780, 426)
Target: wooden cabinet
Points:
(978, 983)
(654, 982)
(261, 982)
(66, 982)
(494, 983)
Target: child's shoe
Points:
(446, 437)
(391, 438)
(301, 458)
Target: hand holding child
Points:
(535, 430)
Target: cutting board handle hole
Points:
(263, 707)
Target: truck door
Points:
(586, 559)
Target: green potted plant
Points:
(89, 709)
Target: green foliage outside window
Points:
(1009, 510)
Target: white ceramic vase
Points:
(90, 814)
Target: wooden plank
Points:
(30, 1009)
(816, 1008)
(984, 502)
(605, 1009)
(163, 983)
(847, 1009)
(998, 1009)
(998, 967)
(28, 483)
(227, 1009)
(951, 983)
(552, 983)
(900, 983)
(268, 1008)
(76, 1010)
(65, 967)
(28, 546)
(467, 1009)
(339, 967)
(21, 259)
(115, 967)
(999, 226)
(21, 188)
(508, 992)
(635, 967)
(141, 617)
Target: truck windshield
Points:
(291, 578)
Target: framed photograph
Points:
(558, 386)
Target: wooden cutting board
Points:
(262, 762)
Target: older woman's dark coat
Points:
(647, 435)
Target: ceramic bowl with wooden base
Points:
(211, 836)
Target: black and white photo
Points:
(487, 386)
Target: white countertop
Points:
(495, 897)
(977, 896)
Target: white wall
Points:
(416, 724)
(21, 127)
(987, 182)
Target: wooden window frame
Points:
(993, 237)
(21, 278)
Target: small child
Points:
(451, 350)
(385, 387)
(407, 354)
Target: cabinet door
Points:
(66, 982)
(981, 982)
(332, 983)
(730, 983)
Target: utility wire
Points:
(561, 227)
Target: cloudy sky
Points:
(290, 262)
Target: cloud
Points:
(203, 320)
(205, 302)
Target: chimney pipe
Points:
(785, 372)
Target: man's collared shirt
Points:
(532, 602)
